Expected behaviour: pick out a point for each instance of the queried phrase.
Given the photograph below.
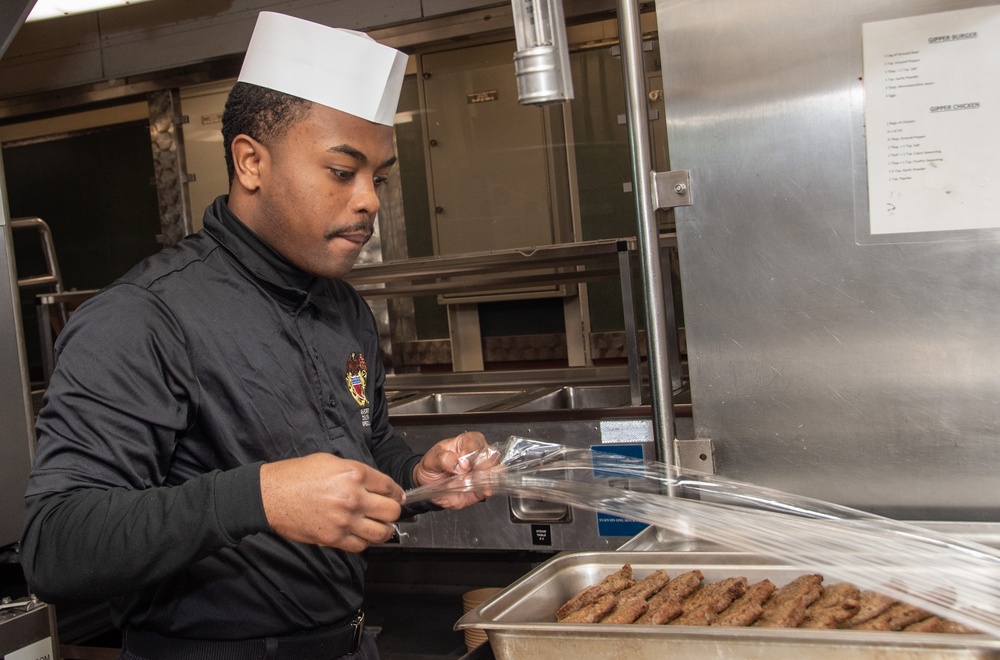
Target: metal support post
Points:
(631, 330)
(647, 233)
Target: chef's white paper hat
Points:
(341, 69)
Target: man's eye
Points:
(380, 181)
(343, 175)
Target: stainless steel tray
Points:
(520, 620)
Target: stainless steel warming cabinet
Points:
(829, 357)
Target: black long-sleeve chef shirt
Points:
(171, 387)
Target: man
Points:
(214, 449)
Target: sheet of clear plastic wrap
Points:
(946, 576)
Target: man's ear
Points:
(248, 155)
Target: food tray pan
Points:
(520, 620)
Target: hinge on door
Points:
(672, 189)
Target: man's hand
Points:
(448, 458)
(325, 500)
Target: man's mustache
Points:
(367, 225)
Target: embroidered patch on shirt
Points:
(357, 376)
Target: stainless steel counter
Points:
(575, 407)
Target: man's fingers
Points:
(361, 542)
(380, 484)
(373, 531)
(470, 442)
(325, 500)
(457, 455)
(381, 509)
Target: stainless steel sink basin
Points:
(569, 397)
(579, 396)
(446, 402)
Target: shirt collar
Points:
(257, 256)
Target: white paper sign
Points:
(40, 650)
(932, 121)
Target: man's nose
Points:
(365, 198)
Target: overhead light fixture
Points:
(541, 62)
(45, 9)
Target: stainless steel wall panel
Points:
(438, 7)
(133, 52)
(168, 42)
(159, 36)
(35, 75)
(52, 54)
(863, 374)
(69, 32)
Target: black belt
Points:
(319, 644)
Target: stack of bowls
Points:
(471, 600)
